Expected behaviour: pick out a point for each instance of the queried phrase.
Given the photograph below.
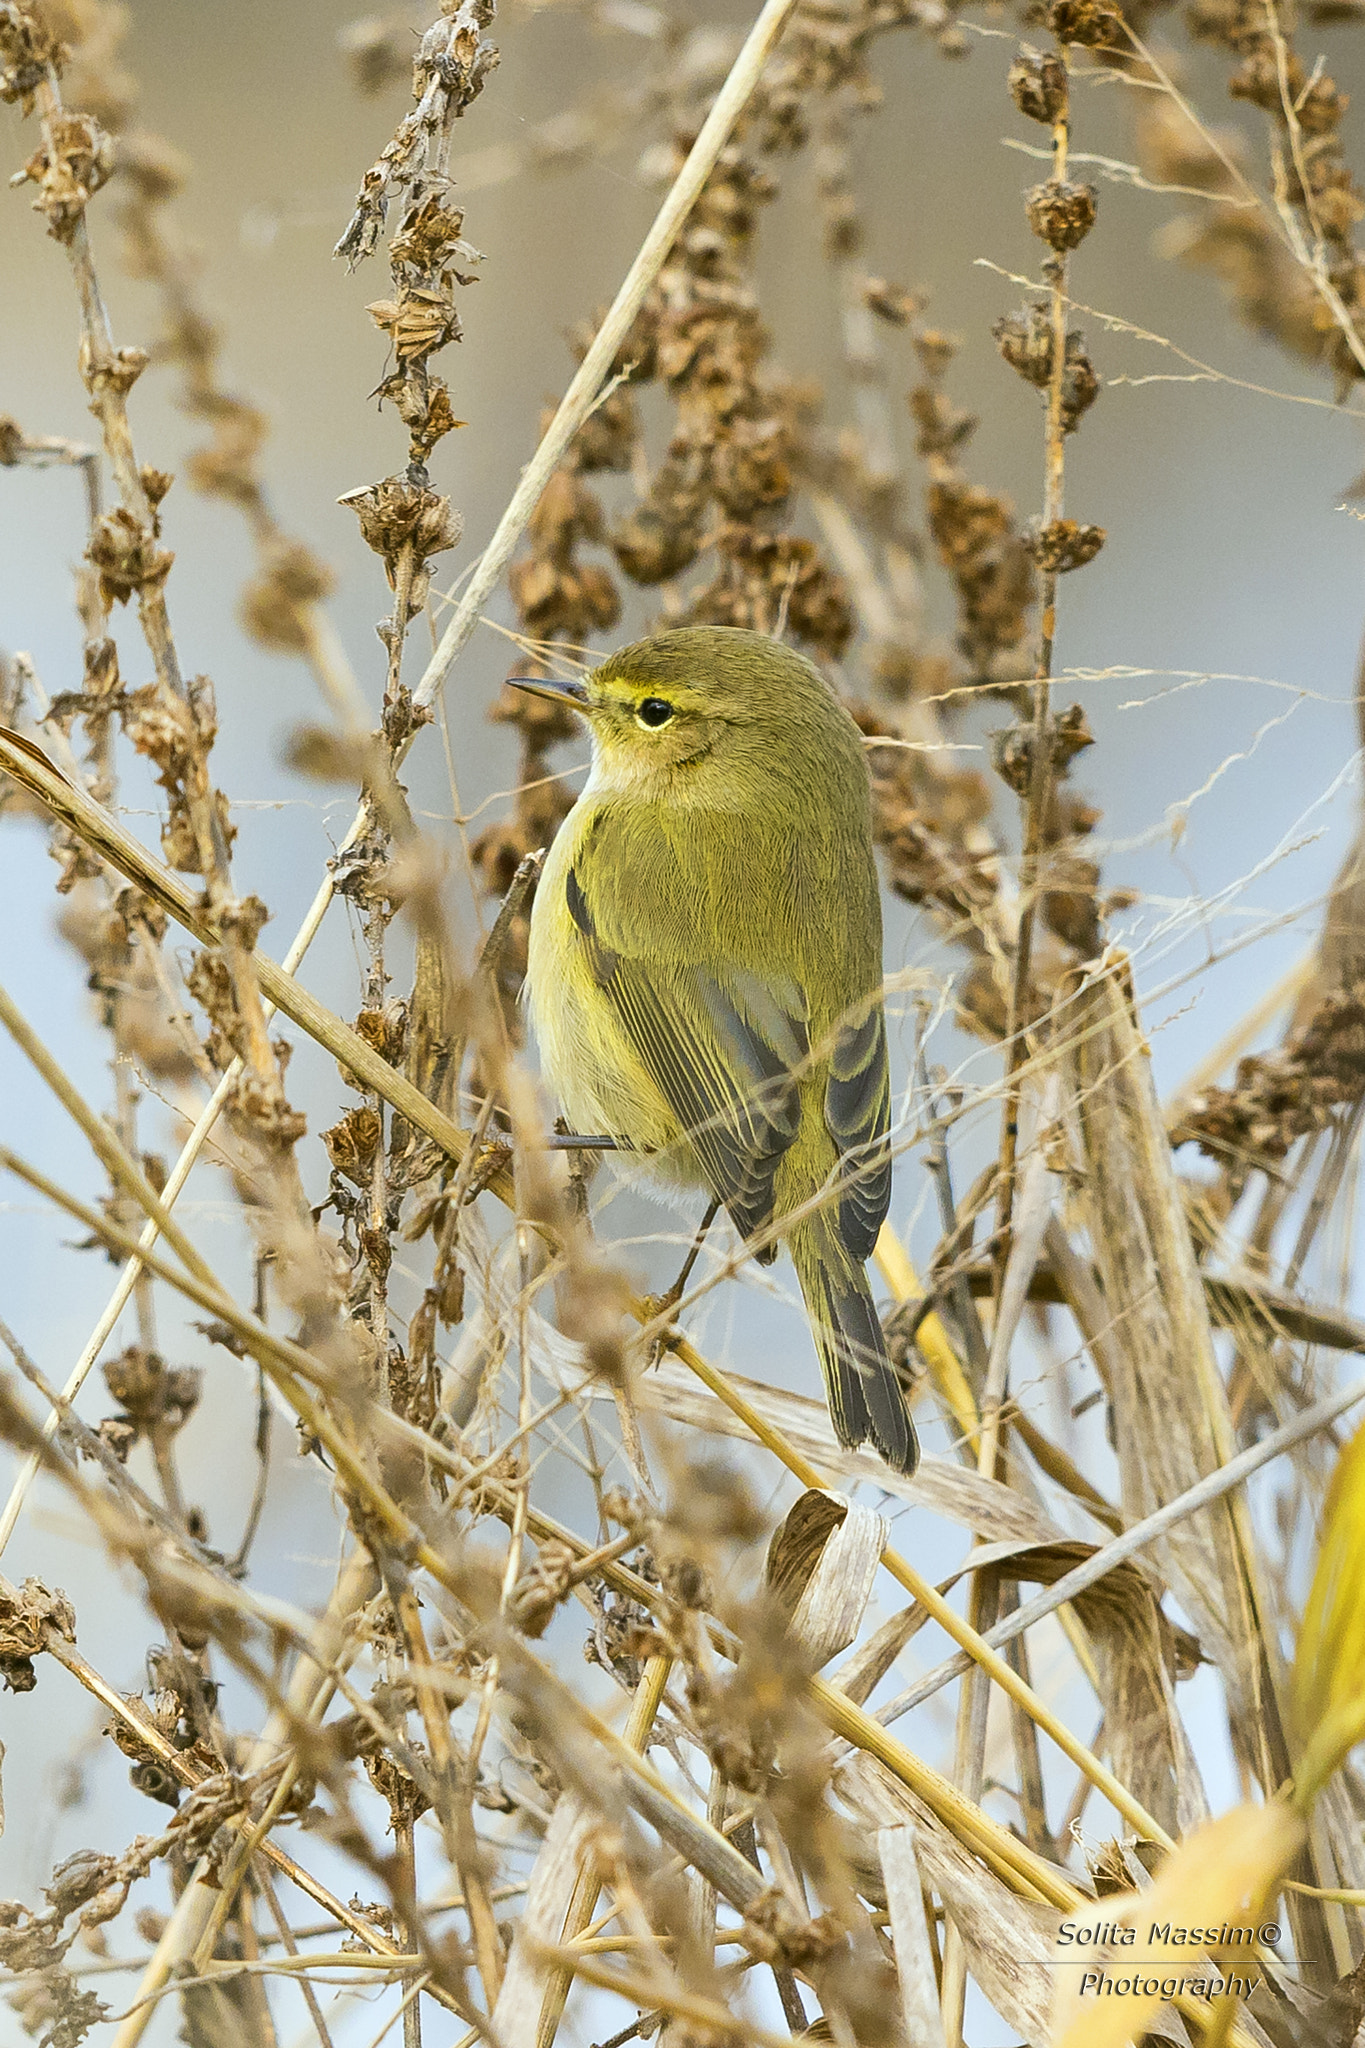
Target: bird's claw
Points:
(657, 1306)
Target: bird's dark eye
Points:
(654, 711)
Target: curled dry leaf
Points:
(29, 1615)
(822, 1565)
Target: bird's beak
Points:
(575, 694)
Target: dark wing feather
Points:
(858, 1117)
(720, 1048)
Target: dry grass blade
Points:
(1170, 1409)
(1003, 1934)
(910, 1937)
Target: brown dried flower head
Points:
(1061, 213)
(1088, 22)
(28, 51)
(1063, 545)
(276, 602)
(397, 514)
(1038, 85)
(68, 169)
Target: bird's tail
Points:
(866, 1400)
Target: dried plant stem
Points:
(103, 833)
(573, 410)
(1082, 1576)
(1040, 763)
(905, 1574)
(291, 1367)
(587, 1883)
(1279, 996)
(595, 368)
(370, 1067)
(141, 1724)
(283, 1929)
(128, 1279)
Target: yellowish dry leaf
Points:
(1328, 1691)
(1121, 1959)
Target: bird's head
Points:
(697, 695)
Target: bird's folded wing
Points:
(719, 1044)
(858, 1116)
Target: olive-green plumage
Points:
(705, 969)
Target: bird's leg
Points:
(660, 1304)
(572, 1141)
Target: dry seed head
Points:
(378, 52)
(659, 540)
(935, 350)
(1038, 85)
(397, 513)
(275, 604)
(890, 302)
(1012, 749)
(257, 1103)
(1080, 384)
(1063, 545)
(101, 371)
(150, 164)
(1024, 339)
(353, 1143)
(1061, 213)
(28, 49)
(152, 1396)
(29, 1615)
(1088, 22)
(419, 321)
(126, 556)
(69, 168)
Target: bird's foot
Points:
(492, 1158)
(658, 1306)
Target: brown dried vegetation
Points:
(745, 1840)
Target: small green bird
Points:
(706, 968)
